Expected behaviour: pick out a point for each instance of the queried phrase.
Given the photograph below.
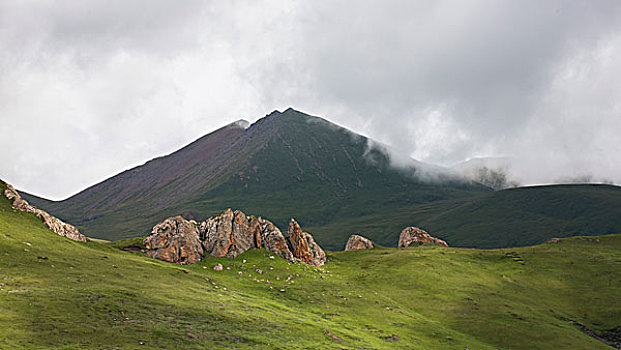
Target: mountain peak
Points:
(242, 123)
(287, 112)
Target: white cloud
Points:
(89, 89)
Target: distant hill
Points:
(286, 164)
(513, 217)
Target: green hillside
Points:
(513, 217)
(60, 294)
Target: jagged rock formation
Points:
(232, 233)
(227, 234)
(356, 242)
(175, 239)
(53, 223)
(413, 234)
(304, 246)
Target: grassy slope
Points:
(431, 297)
(515, 217)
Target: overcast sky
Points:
(91, 88)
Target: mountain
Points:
(287, 164)
(334, 183)
(62, 294)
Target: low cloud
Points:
(90, 89)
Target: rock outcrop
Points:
(227, 234)
(413, 234)
(232, 233)
(53, 223)
(175, 239)
(356, 242)
(304, 246)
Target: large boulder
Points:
(227, 234)
(413, 234)
(175, 240)
(58, 226)
(273, 240)
(304, 246)
(356, 242)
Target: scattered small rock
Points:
(334, 337)
(589, 239)
(218, 267)
(259, 271)
(114, 266)
(393, 337)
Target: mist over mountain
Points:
(335, 183)
(287, 164)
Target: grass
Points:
(60, 294)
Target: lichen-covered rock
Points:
(413, 234)
(273, 240)
(232, 233)
(53, 223)
(304, 246)
(356, 242)
(227, 234)
(175, 240)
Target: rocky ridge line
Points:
(228, 234)
(53, 223)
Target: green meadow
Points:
(60, 294)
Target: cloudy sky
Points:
(91, 88)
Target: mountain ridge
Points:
(289, 158)
(336, 183)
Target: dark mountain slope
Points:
(286, 164)
(513, 217)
